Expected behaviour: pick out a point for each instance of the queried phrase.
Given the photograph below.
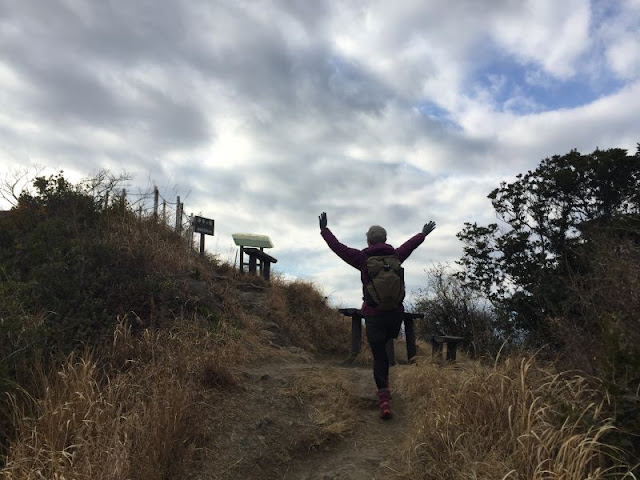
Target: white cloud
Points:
(617, 32)
(262, 116)
(549, 33)
(624, 56)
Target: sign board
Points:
(203, 225)
(252, 240)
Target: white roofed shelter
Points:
(253, 245)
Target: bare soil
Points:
(274, 426)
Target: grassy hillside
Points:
(124, 355)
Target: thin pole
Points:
(156, 194)
(178, 216)
(356, 334)
(410, 334)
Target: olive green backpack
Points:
(386, 289)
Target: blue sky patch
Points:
(524, 89)
(435, 112)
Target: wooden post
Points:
(356, 329)
(410, 335)
(201, 245)
(156, 194)
(356, 335)
(178, 216)
(266, 270)
(436, 348)
(452, 347)
(241, 265)
(164, 211)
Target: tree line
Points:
(558, 270)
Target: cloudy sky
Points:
(262, 114)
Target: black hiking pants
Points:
(380, 329)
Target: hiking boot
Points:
(384, 399)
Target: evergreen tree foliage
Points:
(521, 263)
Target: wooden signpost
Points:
(203, 226)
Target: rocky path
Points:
(278, 424)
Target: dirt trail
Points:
(363, 455)
(266, 430)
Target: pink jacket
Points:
(358, 258)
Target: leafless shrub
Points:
(451, 308)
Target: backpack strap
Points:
(366, 296)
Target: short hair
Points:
(376, 234)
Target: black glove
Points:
(428, 228)
(323, 220)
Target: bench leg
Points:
(410, 335)
(451, 350)
(356, 335)
(267, 270)
(436, 349)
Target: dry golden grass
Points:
(139, 419)
(364, 357)
(328, 393)
(515, 420)
(305, 317)
(130, 408)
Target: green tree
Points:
(520, 263)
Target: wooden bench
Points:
(356, 333)
(259, 259)
(436, 340)
(452, 345)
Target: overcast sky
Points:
(262, 114)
